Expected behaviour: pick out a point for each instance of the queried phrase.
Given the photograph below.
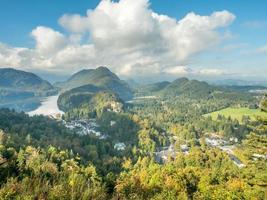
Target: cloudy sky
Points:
(136, 38)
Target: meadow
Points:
(238, 113)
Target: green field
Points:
(238, 113)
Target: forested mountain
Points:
(21, 80)
(101, 77)
(21, 90)
(89, 101)
(195, 89)
(77, 96)
(190, 88)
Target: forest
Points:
(42, 159)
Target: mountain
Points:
(151, 88)
(193, 89)
(189, 88)
(181, 86)
(21, 90)
(75, 97)
(17, 79)
(89, 101)
(101, 77)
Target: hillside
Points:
(101, 77)
(151, 88)
(193, 89)
(75, 97)
(20, 90)
(179, 87)
(79, 104)
(12, 78)
(189, 88)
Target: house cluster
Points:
(165, 153)
(227, 146)
(84, 127)
(215, 140)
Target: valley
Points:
(133, 100)
(126, 135)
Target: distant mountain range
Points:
(22, 90)
(235, 82)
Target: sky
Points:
(149, 39)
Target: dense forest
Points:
(164, 145)
(41, 159)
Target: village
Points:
(212, 140)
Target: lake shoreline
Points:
(48, 107)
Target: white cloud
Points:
(48, 41)
(184, 71)
(126, 35)
(211, 72)
(178, 70)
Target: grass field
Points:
(238, 113)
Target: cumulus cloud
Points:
(125, 35)
(48, 41)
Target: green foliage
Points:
(263, 104)
(203, 174)
(84, 105)
(41, 159)
(74, 98)
(41, 132)
(47, 174)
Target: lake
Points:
(48, 107)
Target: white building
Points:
(120, 146)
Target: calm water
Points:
(48, 107)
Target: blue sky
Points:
(241, 51)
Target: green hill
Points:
(101, 77)
(20, 90)
(179, 87)
(193, 89)
(74, 98)
(89, 101)
(17, 79)
(151, 88)
(189, 88)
